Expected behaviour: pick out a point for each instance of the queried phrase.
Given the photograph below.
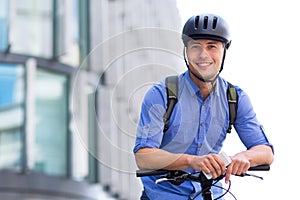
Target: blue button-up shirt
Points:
(197, 127)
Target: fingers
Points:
(240, 167)
(228, 173)
(210, 163)
(237, 167)
(214, 165)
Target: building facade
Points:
(72, 77)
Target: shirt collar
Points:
(193, 88)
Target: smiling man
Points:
(199, 122)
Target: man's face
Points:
(205, 57)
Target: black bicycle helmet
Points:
(206, 26)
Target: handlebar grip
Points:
(150, 172)
(265, 167)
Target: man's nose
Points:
(202, 52)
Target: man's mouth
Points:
(203, 65)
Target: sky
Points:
(263, 61)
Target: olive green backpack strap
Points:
(232, 98)
(172, 96)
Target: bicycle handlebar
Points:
(265, 167)
(177, 177)
(151, 172)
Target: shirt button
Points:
(200, 145)
(201, 124)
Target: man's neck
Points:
(205, 87)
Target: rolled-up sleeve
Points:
(150, 127)
(248, 127)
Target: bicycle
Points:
(177, 177)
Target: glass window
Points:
(11, 115)
(51, 131)
(67, 34)
(31, 27)
(3, 24)
(47, 29)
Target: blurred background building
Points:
(72, 77)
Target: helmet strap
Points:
(224, 54)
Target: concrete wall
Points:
(135, 43)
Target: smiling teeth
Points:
(203, 64)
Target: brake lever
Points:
(253, 175)
(163, 179)
(176, 180)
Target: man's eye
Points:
(196, 47)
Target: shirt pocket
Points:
(218, 135)
(180, 137)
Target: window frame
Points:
(54, 67)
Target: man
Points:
(199, 121)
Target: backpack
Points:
(172, 94)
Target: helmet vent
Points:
(215, 21)
(205, 22)
(196, 22)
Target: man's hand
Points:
(241, 162)
(211, 163)
(239, 165)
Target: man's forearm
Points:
(152, 158)
(258, 155)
